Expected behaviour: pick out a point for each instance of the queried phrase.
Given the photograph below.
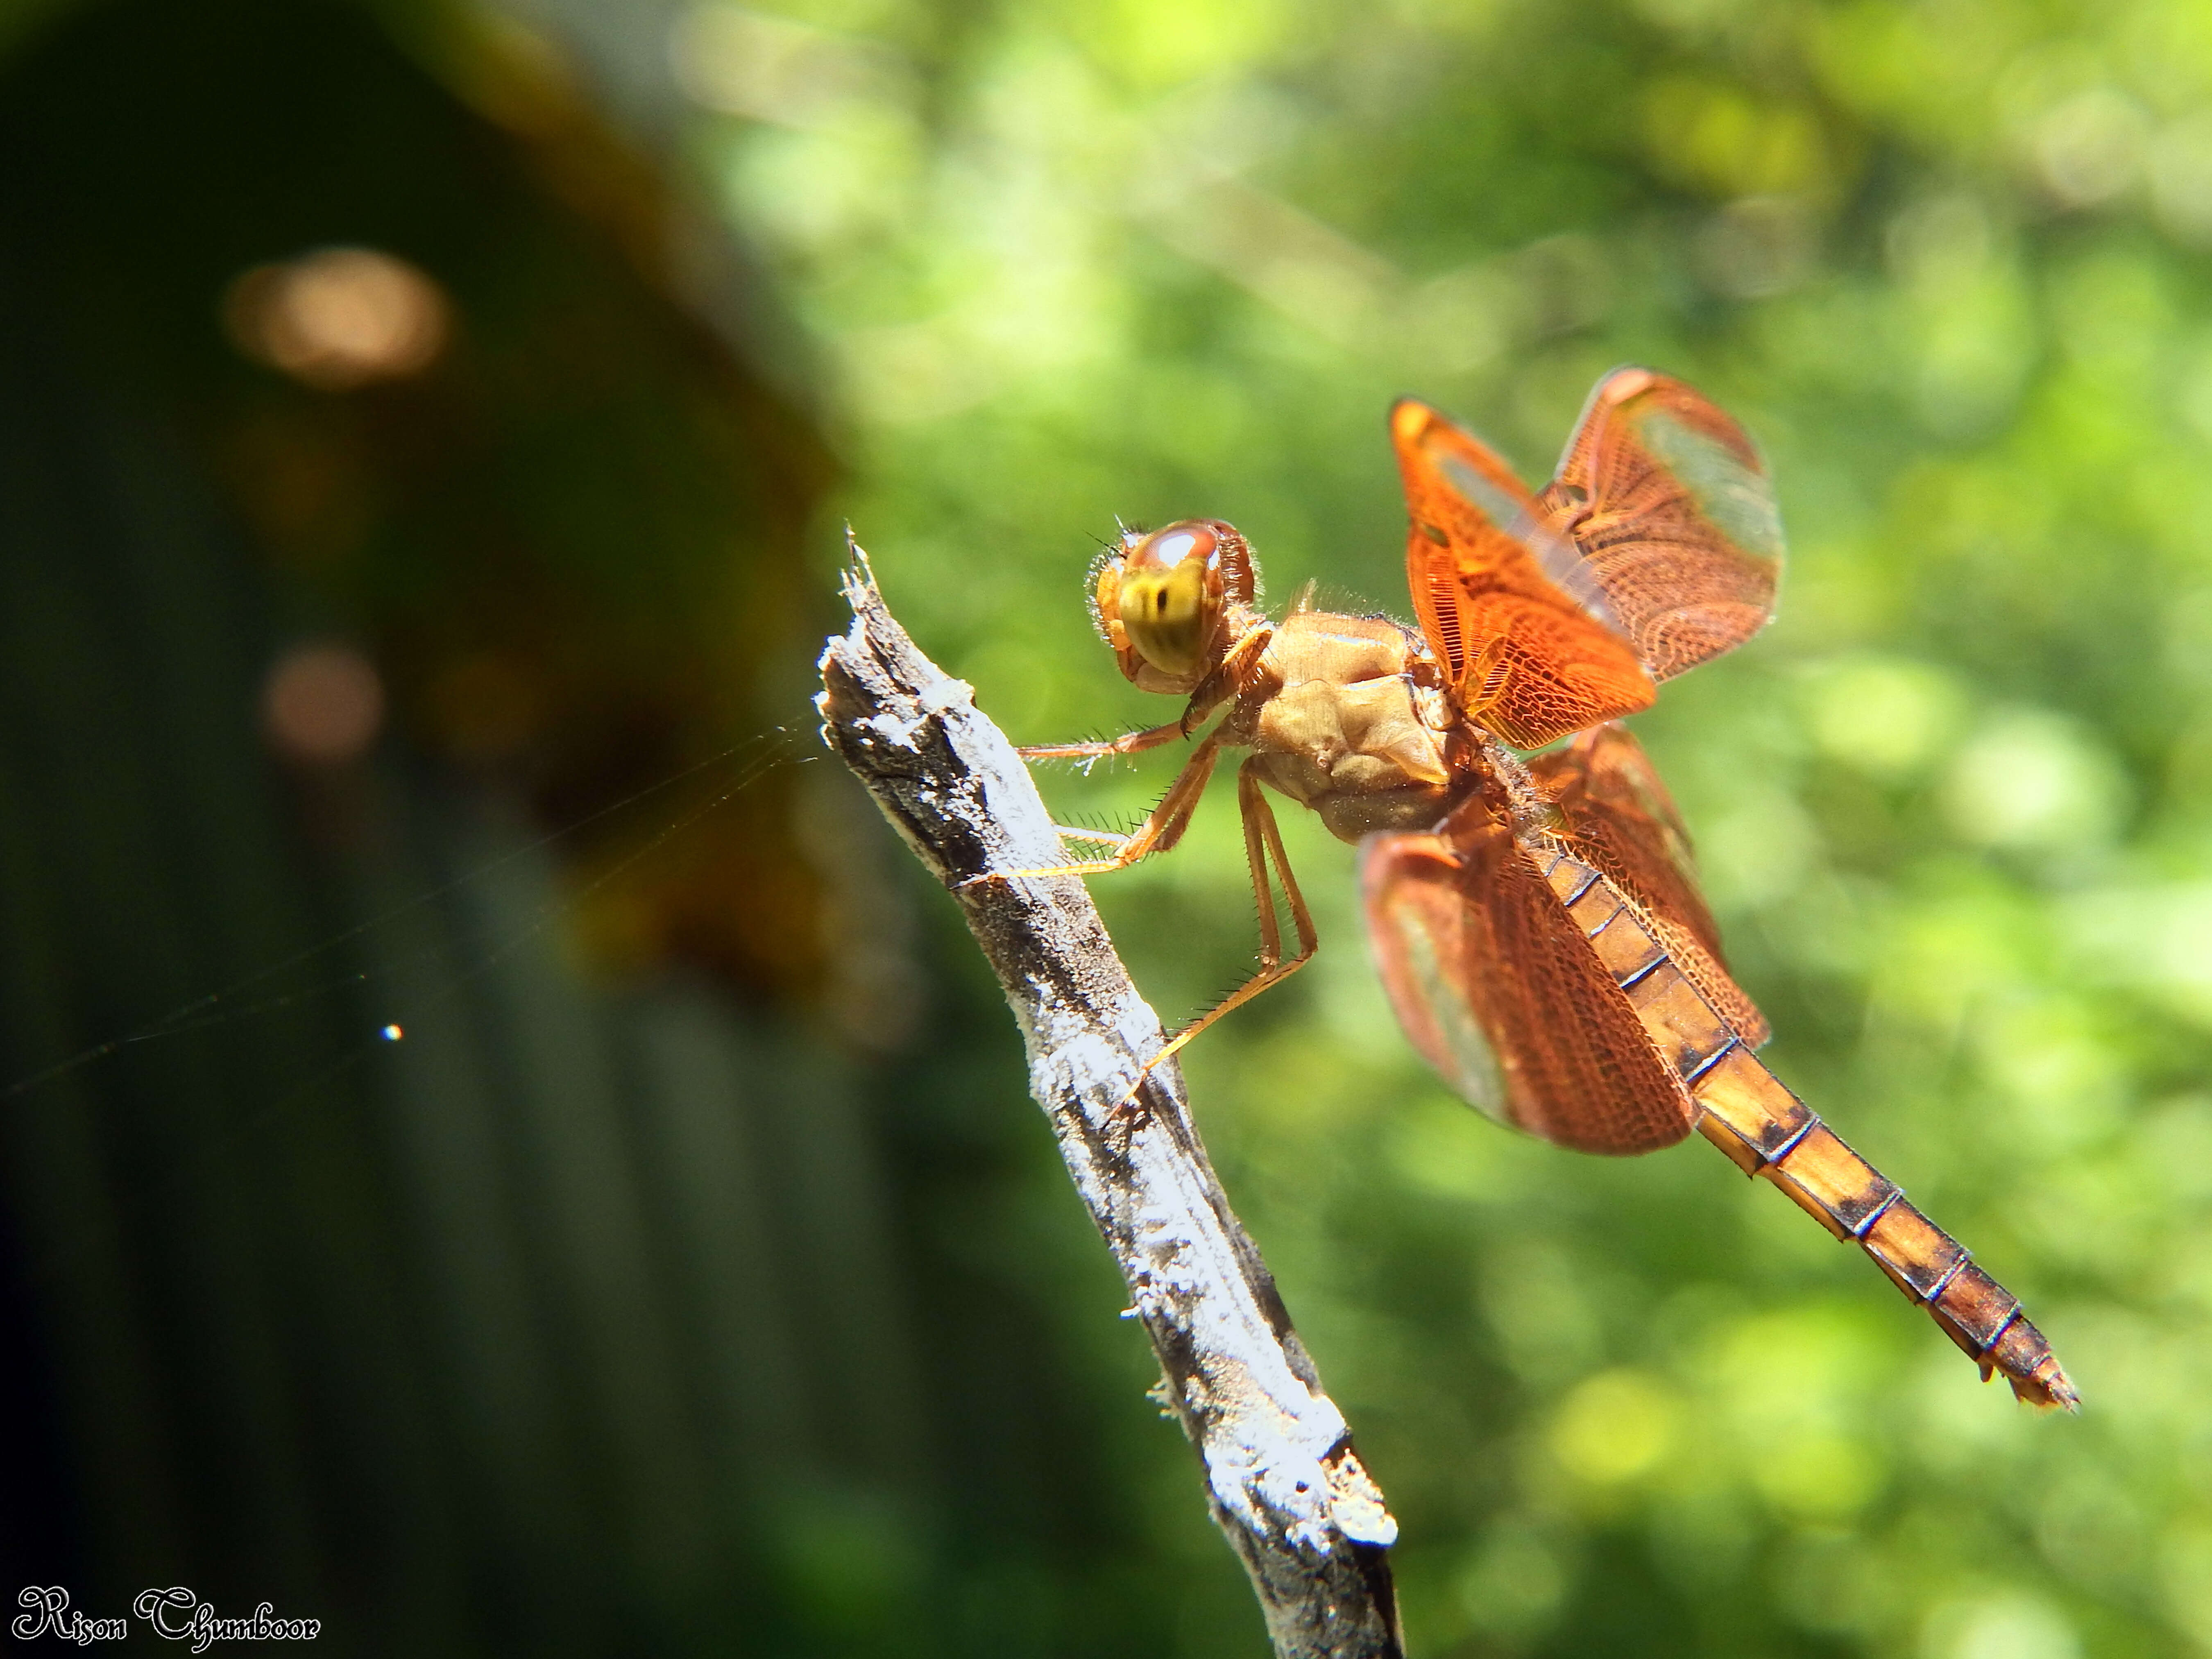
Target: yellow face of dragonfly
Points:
(1161, 598)
(1165, 611)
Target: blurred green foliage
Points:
(1948, 261)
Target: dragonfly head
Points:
(1164, 598)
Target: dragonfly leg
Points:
(1129, 742)
(1229, 674)
(1263, 841)
(1213, 691)
(1161, 828)
(1103, 837)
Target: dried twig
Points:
(1281, 1477)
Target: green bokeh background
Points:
(1034, 267)
(1948, 263)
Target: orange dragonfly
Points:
(1536, 920)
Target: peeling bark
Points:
(1282, 1480)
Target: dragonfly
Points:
(1535, 917)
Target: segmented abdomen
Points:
(1747, 1112)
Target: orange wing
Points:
(1544, 976)
(1620, 819)
(1512, 611)
(1497, 984)
(1668, 501)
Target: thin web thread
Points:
(771, 749)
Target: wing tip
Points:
(1410, 418)
(1629, 381)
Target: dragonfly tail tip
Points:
(2047, 1389)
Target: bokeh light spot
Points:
(2090, 148)
(339, 318)
(323, 703)
(2181, 179)
(1615, 1427)
(2034, 780)
(1884, 716)
(2014, 1626)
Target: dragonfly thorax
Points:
(1342, 722)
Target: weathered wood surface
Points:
(1282, 1480)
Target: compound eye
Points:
(1180, 542)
